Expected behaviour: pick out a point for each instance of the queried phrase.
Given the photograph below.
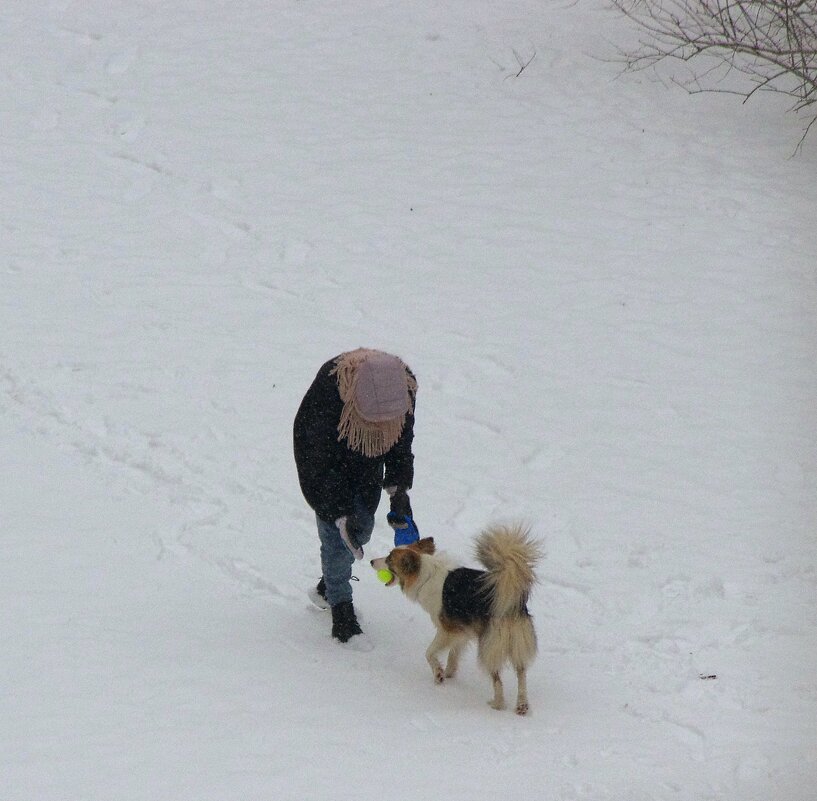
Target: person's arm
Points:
(399, 460)
(318, 454)
(398, 479)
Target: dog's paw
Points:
(498, 705)
(439, 675)
(522, 708)
(450, 673)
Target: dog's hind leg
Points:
(438, 644)
(522, 691)
(498, 701)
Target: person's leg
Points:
(336, 562)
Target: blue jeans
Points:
(336, 559)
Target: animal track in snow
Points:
(252, 578)
(119, 63)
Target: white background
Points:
(607, 290)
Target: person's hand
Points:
(401, 520)
(406, 533)
(350, 531)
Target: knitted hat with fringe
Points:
(377, 390)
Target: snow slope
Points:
(608, 292)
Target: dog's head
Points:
(404, 562)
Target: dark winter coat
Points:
(331, 474)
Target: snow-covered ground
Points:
(608, 291)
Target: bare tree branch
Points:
(772, 44)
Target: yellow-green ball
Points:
(385, 575)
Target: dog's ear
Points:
(425, 545)
(406, 561)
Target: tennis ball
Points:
(385, 575)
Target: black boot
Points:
(318, 595)
(344, 621)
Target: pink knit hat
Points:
(377, 390)
(381, 389)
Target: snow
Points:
(607, 289)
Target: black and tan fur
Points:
(489, 606)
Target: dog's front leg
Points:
(432, 655)
(453, 661)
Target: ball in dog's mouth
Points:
(386, 576)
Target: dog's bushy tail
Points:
(509, 555)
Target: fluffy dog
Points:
(489, 606)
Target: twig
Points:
(523, 65)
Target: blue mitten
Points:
(405, 529)
(400, 519)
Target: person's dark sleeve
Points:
(400, 459)
(319, 457)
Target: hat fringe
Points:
(372, 439)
